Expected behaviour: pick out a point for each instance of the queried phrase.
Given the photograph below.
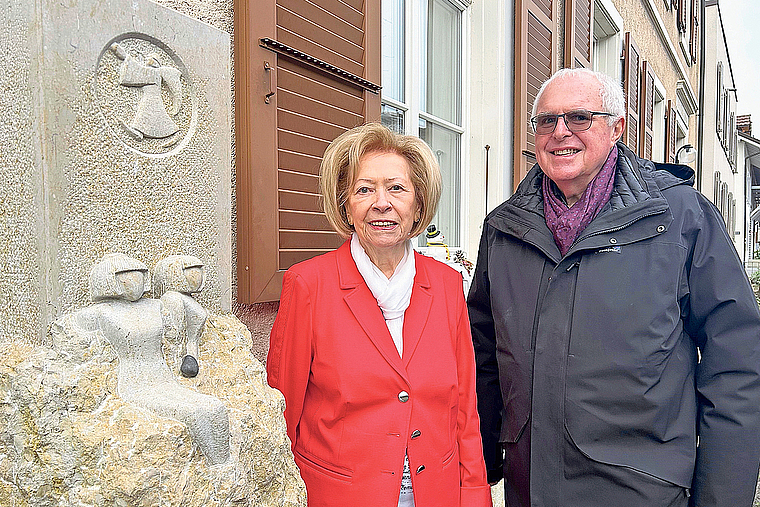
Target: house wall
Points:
(654, 29)
(713, 151)
(491, 55)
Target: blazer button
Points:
(403, 396)
(416, 433)
(420, 468)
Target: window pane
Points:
(441, 59)
(392, 117)
(445, 146)
(392, 49)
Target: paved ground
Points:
(497, 494)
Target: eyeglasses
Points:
(576, 121)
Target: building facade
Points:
(722, 175)
(461, 74)
(748, 159)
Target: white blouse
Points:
(393, 295)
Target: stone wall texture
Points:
(67, 439)
(78, 185)
(20, 294)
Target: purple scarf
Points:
(566, 223)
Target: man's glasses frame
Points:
(577, 120)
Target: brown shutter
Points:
(535, 62)
(670, 133)
(578, 33)
(694, 32)
(631, 81)
(732, 140)
(646, 135)
(304, 74)
(681, 17)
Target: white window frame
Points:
(412, 87)
(609, 43)
(658, 128)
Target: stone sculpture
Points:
(135, 327)
(151, 118)
(175, 280)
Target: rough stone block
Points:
(67, 439)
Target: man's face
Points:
(572, 159)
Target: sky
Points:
(740, 23)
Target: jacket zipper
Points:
(621, 227)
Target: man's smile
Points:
(565, 151)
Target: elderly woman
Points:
(371, 346)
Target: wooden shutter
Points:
(535, 62)
(694, 31)
(305, 72)
(631, 81)
(578, 33)
(646, 135)
(681, 18)
(732, 138)
(670, 133)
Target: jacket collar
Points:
(349, 276)
(364, 307)
(637, 197)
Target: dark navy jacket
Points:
(611, 362)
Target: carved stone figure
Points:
(175, 280)
(135, 327)
(151, 118)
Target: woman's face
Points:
(382, 204)
(133, 283)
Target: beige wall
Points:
(654, 29)
(654, 48)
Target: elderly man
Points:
(616, 335)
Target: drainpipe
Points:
(701, 124)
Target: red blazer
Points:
(353, 406)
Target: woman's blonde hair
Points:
(340, 165)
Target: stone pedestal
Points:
(67, 439)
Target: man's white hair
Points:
(611, 92)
